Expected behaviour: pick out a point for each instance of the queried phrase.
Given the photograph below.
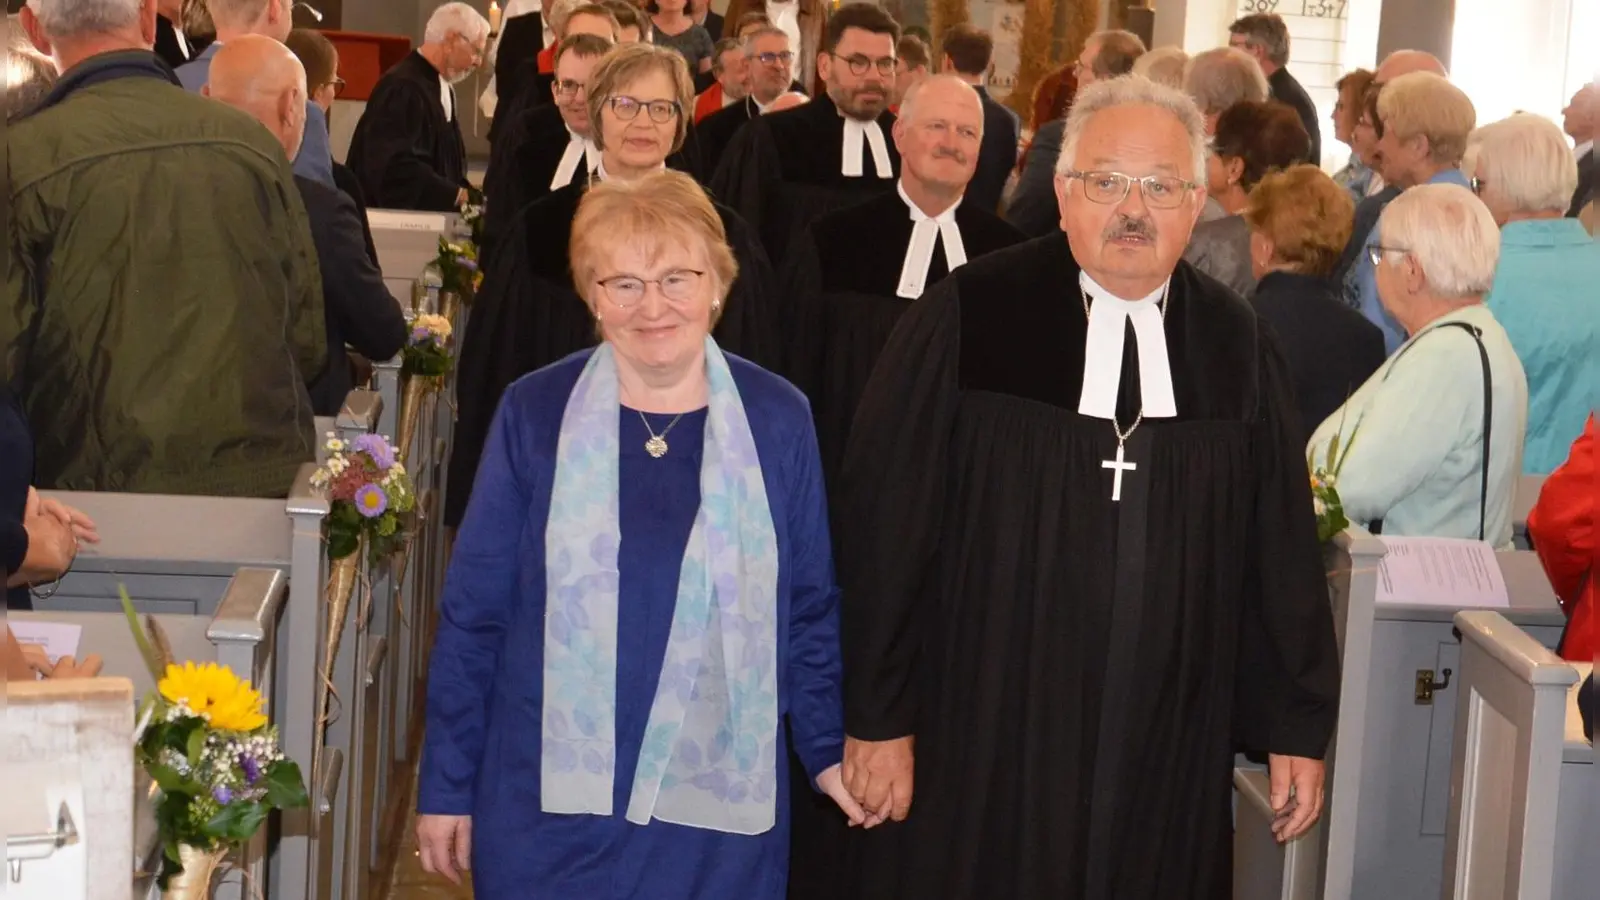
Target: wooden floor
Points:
(411, 883)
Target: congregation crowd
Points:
(781, 448)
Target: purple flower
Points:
(376, 447)
(222, 795)
(371, 501)
(420, 334)
(471, 265)
(252, 769)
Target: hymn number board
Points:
(1316, 50)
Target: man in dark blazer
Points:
(262, 78)
(1581, 121)
(1265, 37)
(967, 53)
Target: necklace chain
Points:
(1161, 305)
(657, 445)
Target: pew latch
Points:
(22, 847)
(1427, 683)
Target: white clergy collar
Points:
(600, 169)
(1582, 148)
(919, 253)
(447, 98)
(579, 149)
(1102, 352)
(856, 134)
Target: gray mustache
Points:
(950, 153)
(1127, 226)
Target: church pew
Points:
(1527, 495)
(1577, 867)
(1383, 827)
(68, 788)
(1506, 767)
(407, 242)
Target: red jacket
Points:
(1563, 527)
(547, 61)
(709, 101)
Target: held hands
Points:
(1296, 795)
(444, 843)
(879, 776)
(831, 783)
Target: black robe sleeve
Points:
(396, 159)
(894, 490)
(750, 325)
(745, 170)
(803, 317)
(1288, 679)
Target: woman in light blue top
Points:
(1435, 435)
(1547, 289)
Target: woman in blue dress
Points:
(640, 609)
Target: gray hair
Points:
(29, 77)
(1524, 162)
(456, 18)
(1163, 65)
(1267, 31)
(1217, 79)
(70, 18)
(759, 33)
(1133, 90)
(1451, 235)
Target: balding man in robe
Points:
(262, 77)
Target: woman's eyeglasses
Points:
(337, 84)
(627, 291)
(661, 111)
(860, 65)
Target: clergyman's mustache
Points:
(1126, 226)
(950, 153)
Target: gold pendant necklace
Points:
(657, 445)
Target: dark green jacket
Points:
(163, 302)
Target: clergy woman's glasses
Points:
(337, 84)
(860, 64)
(627, 291)
(661, 111)
(1111, 188)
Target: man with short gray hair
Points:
(1217, 79)
(769, 66)
(160, 261)
(1041, 552)
(273, 19)
(1265, 37)
(407, 149)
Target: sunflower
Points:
(214, 692)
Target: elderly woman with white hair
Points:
(1435, 436)
(1545, 290)
(407, 148)
(640, 614)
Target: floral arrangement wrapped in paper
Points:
(472, 215)
(424, 362)
(458, 271)
(1331, 518)
(208, 746)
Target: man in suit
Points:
(261, 77)
(1033, 209)
(270, 18)
(967, 53)
(1266, 37)
(911, 68)
(1581, 121)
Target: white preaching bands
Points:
(578, 148)
(1102, 353)
(919, 253)
(447, 99)
(857, 133)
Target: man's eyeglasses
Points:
(1159, 191)
(627, 109)
(1376, 252)
(627, 291)
(566, 87)
(860, 65)
(773, 59)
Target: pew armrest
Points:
(360, 411)
(305, 500)
(1509, 645)
(249, 608)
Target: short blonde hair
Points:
(1524, 162)
(627, 63)
(1423, 104)
(1306, 215)
(1163, 65)
(1451, 235)
(662, 210)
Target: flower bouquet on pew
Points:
(1331, 518)
(424, 361)
(371, 501)
(459, 274)
(207, 744)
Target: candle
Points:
(494, 17)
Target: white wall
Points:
(1528, 60)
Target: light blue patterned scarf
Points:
(709, 758)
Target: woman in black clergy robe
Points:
(845, 299)
(1068, 663)
(528, 313)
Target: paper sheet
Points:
(1422, 571)
(57, 639)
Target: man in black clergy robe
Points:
(771, 74)
(1079, 559)
(549, 147)
(529, 314)
(407, 148)
(784, 170)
